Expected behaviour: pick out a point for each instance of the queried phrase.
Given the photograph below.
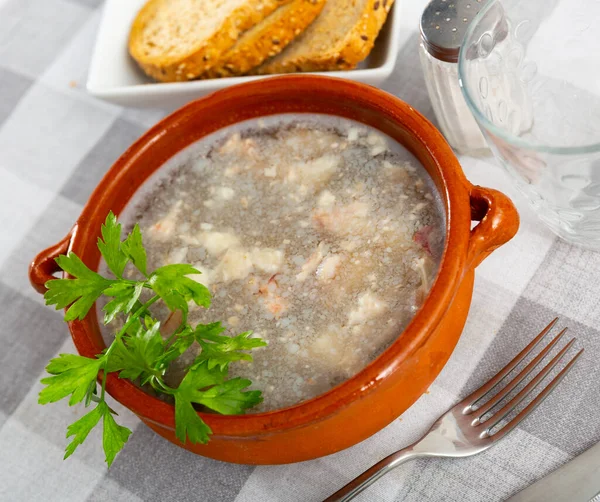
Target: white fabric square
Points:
(21, 204)
(32, 32)
(32, 468)
(146, 117)
(70, 67)
(513, 265)
(108, 490)
(556, 284)
(48, 227)
(48, 134)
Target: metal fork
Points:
(466, 429)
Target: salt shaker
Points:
(443, 26)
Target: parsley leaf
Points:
(220, 350)
(135, 356)
(126, 296)
(110, 245)
(187, 421)
(81, 428)
(242, 342)
(114, 435)
(149, 321)
(188, 424)
(229, 398)
(132, 246)
(65, 362)
(71, 375)
(200, 377)
(91, 395)
(80, 293)
(208, 387)
(175, 289)
(211, 331)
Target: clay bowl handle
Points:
(499, 222)
(44, 266)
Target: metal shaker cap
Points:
(443, 26)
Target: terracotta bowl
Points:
(361, 406)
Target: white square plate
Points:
(115, 77)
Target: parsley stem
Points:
(159, 385)
(120, 334)
(129, 322)
(181, 326)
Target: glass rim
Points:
(488, 124)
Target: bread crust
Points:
(205, 53)
(266, 39)
(354, 48)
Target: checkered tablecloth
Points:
(55, 144)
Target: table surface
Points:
(55, 144)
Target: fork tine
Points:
(537, 401)
(519, 378)
(469, 401)
(528, 389)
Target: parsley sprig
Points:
(139, 352)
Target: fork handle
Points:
(372, 474)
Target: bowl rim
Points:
(454, 190)
(487, 123)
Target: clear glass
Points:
(453, 115)
(530, 73)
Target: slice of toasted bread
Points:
(266, 39)
(340, 38)
(174, 40)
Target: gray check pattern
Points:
(56, 142)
